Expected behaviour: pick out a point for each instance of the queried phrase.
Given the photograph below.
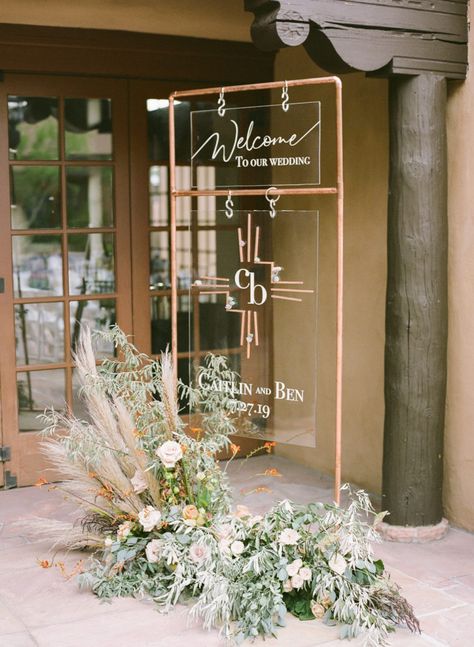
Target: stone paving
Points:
(39, 607)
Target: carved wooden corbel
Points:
(381, 36)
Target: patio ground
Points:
(41, 608)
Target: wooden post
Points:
(416, 311)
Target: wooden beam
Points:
(383, 36)
(416, 310)
(58, 50)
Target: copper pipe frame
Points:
(338, 191)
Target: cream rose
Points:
(287, 586)
(124, 530)
(294, 567)
(288, 537)
(149, 517)
(338, 564)
(153, 550)
(317, 610)
(190, 512)
(297, 581)
(169, 453)
(108, 541)
(198, 553)
(306, 573)
(138, 481)
(237, 548)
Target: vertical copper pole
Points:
(340, 296)
(174, 284)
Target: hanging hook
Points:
(272, 201)
(285, 97)
(221, 104)
(229, 211)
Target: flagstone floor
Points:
(41, 608)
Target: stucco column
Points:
(416, 310)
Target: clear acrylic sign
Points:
(256, 146)
(255, 300)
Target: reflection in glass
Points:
(217, 329)
(37, 266)
(98, 314)
(79, 407)
(158, 192)
(38, 390)
(35, 197)
(159, 260)
(160, 308)
(91, 263)
(89, 196)
(39, 333)
(88, 124)
(33, 128)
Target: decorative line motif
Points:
(249, 254)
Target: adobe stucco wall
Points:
(366, 177)
(220, 19)
(459, 436)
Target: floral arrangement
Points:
(157, 514)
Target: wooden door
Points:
(65, 244)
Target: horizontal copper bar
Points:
(258, 86)
(181, 193)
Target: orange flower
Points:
(195, 430)
(271, 471)
(44, 563)
(137, 433)
(40, 482)
(91, 475)
(268, 446)
(234, 448)
(184, 449)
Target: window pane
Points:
(91, 263)
(88, 124)
(39, 333)
(38, 390)
(33, 128)
(89, 196)
(37, 266)
(98, 314)
(158, 192)
(161, 324)
(35, 197)
(159, 260)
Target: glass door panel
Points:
(66, 154)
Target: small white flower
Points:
(288, 537)
(237, 548)
(200, 476)
(297, 581)
(153, 550)
(149, 517)
(224, 546)
(138, 481)
(224, 531)
(338, 564)
(253, 521)
(108, 541)
(294, 567)
(242, 511)
(305, 573)
(124, 530)
(287, 586)
(198, 553)
(169, 453)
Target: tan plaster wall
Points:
(219, 19)
(459, 436)
(366, 177)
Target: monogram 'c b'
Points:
(254, 287)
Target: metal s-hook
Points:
(229, 211)
(221, 104)
(272, 201)
(285, 97)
